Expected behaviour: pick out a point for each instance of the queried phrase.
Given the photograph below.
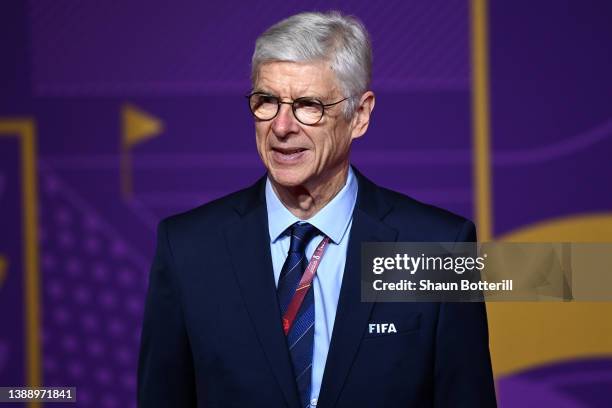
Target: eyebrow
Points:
(263, 91)
(260, 90)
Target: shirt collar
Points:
(332, 220)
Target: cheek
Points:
(328, 148)
(337, 143)
(261, 130)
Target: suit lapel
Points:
(353, 315)
(249, 246)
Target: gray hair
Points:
(305, 37)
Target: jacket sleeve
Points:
(463, 374)
(165, 366)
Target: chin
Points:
(288, 177)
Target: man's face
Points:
(296, 154)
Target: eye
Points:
(263, 106)
(308, 104)
(268, 99)
(261, 99)
(258, 101)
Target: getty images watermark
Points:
(468, 272)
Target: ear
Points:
(361, 118)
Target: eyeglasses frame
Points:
(292, 103)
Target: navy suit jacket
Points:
(212, 334)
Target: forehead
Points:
(295, 79)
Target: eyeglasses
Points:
(308, 111)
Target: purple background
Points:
(71, 65)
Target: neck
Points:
(307, 200)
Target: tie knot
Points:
(301, 234)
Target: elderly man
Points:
(254, 299)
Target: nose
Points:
(285, 123)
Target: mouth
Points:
(287, 155)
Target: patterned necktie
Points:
(300, 338)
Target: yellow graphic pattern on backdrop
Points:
(136, 127)
(525, 335)
(3, 269)
(25, 131)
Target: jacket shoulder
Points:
(216, 213)
(415, 219)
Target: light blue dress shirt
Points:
(333, 220)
